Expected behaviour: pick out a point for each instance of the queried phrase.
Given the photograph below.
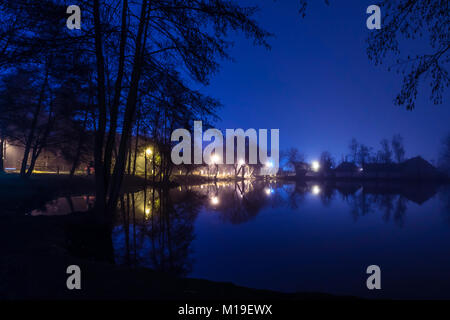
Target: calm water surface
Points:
(289, 237)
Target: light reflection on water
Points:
(293, 237)
(65, 205)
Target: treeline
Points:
(390, 151)
(132, 70)
(358, 153)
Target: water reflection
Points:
(65, 205)
(155, 227)
(287, 236)
(444, 197)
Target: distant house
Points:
(347, 170)
(414, 168)
(382, 171)
(418, 167)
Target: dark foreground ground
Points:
(36, 251)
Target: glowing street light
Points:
(315, 165)
(148, 152)
(215, 159)
(315, 190)
(215, 200)
(269, 164)
(268, 191)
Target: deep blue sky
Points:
(318, 86)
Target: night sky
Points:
(318, 86)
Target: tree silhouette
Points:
(363, 154)
(142, 55)
(353, 147)
(444, 155)
(385, 154)
(415, 20)
(326, 161)
(398, 148)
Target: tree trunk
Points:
(136, 146)
(100, 183)
(2, 155)
(30, 137)
(76, 161)
(114, 110)
(130, 109)
(38, 147)
(129, 156)
(34, 157)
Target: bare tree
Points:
(293, 156)
(363, 155)
(398, 148)
(385, 154)
(326, 161)
(353, 147)
(444, 155)
(414, 20)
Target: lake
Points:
(307, 237)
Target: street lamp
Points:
(215, 159)
(315, 165)
(148, 153)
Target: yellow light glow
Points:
(215, 159)
(268, 191)
(148, 151)
(147, 211)
(315, 165)
(315, 190)
(215, 200)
